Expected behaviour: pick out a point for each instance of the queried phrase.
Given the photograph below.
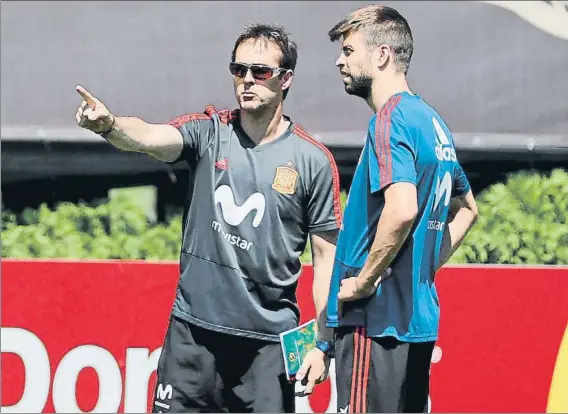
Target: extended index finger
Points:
(86, 95)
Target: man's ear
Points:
(287, 79)
(382, 56)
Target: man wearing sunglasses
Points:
(261, 186)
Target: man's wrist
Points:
(105, 133)
(327, 347)
(362, 284)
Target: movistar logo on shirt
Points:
(234, 214)
(163, 394)
(443, 192)
(444, 149)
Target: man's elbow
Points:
(401, 218)
(405, 216)
(474, 212)
(474, 216)
(401, 203)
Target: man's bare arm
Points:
(323, 254)
(463, 215)
(315, 367)
(163, 142)
(397, 218)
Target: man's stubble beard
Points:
(360, 86)
(262, 110)
(255, 110)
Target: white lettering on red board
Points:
(140, 364)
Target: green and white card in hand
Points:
(296, 343)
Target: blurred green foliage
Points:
(522, 221)
(118, 229)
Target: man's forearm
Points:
(455, 232)
(323, 255)
(322, 281)
(391, 234)
(163, 142)
(130, 134)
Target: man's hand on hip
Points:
(352, 289)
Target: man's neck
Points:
(265, 126)
(382, 93)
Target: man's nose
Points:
(248, 77)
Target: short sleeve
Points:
(392, 153)
(324, 207)
(461, 184)
(197, 131)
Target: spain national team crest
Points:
(285, 179)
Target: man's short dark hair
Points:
(275, 34)
(381, 25)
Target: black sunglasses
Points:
(258, 71)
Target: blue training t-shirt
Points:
(407, 141)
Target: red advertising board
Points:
(86, 336)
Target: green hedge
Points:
(523, 221)
(118, 229)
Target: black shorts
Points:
(205, 371)
(381, 375)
